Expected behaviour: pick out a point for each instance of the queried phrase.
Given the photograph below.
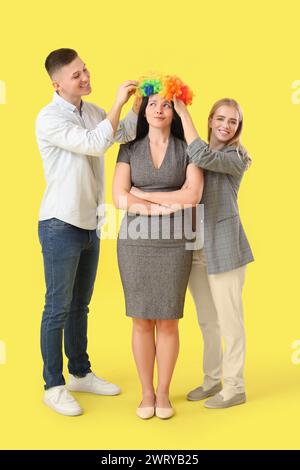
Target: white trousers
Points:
(218, 300)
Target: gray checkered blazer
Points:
(225, 243)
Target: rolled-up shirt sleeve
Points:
(58, 131)
(231, 160)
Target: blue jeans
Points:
(70, 264)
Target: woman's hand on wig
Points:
(179, 106)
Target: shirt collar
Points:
(66, 104)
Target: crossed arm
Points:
(154, 203)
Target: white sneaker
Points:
(92, 384)
(60, 400)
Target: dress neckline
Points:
(165, 155)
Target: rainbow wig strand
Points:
(167, 86)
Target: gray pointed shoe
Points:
(200, 393)
(218, 401)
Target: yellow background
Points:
(245, 50)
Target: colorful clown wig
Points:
(167, 86)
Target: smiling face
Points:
(224, 124)
(73, 80)
(159, 112)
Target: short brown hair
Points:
(58, 58)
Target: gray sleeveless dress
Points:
(153, 260)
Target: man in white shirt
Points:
(72, 136)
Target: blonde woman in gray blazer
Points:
(218, 270)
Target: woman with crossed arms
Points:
(155, 269)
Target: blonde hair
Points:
(235, 141)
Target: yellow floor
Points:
(270, 418)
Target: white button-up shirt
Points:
(72, 146)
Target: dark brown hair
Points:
(58, 58)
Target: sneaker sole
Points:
(70, 413)
(71, 389)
